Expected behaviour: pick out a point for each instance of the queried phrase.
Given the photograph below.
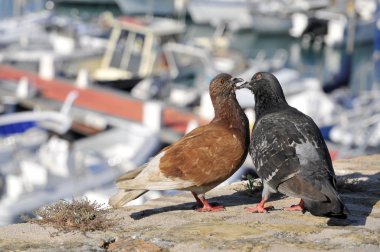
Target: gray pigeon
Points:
(289, 153)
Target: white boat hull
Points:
(271, 24)
(213, 12)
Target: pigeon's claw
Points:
(259, 209)
(299, 207)
(210, 208)
(204, 206)
(293, 208)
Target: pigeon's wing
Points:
(298, 187)
(151, 178)
(202, 157)
(131, 174)
(289, 144)
(273, 156)
(312, 151)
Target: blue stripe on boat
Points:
(16, 128)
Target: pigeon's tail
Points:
(124, 196)
(332, 207)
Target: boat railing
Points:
(58, 122)
(170, 49)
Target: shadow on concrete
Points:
(359, 193)
(239, 198)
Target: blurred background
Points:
(90, 89)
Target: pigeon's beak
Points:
(245, 84)
(236, 81)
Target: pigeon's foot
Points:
(198, 204)
(210, 208)
(259, 209)
(299, 207)
(202, 205)
(294, 208)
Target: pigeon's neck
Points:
(228, 109)
(228, 112)
(266, 104)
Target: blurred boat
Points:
(21, 135)
(234, 13)
(27, 27)
(92, 8)
(330, 26)
(62, 44)
(58, 169)
(376, 46)
(190, 70)
(110, 134)
(275, 16)
(192, 65)
(43, 161)
(108, 102)
(134, 50)
(269, 17)
(356, 128)
(17, 8)
(152, 7)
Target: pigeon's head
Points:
(223, 85)
(264, 84)
(268, 93)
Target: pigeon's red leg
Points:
(208, 208)
(299, 207)
(199, 202)
(259, 208)
(205, 206)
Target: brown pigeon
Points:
(200, 160)
(289, 153)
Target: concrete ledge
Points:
(169, 223)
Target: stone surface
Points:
(169, 223)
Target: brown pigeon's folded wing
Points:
(151, 178)
(210, 157)
(202, 157)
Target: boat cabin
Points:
(134, 50)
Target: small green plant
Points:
(252, 185)
(81, 214)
